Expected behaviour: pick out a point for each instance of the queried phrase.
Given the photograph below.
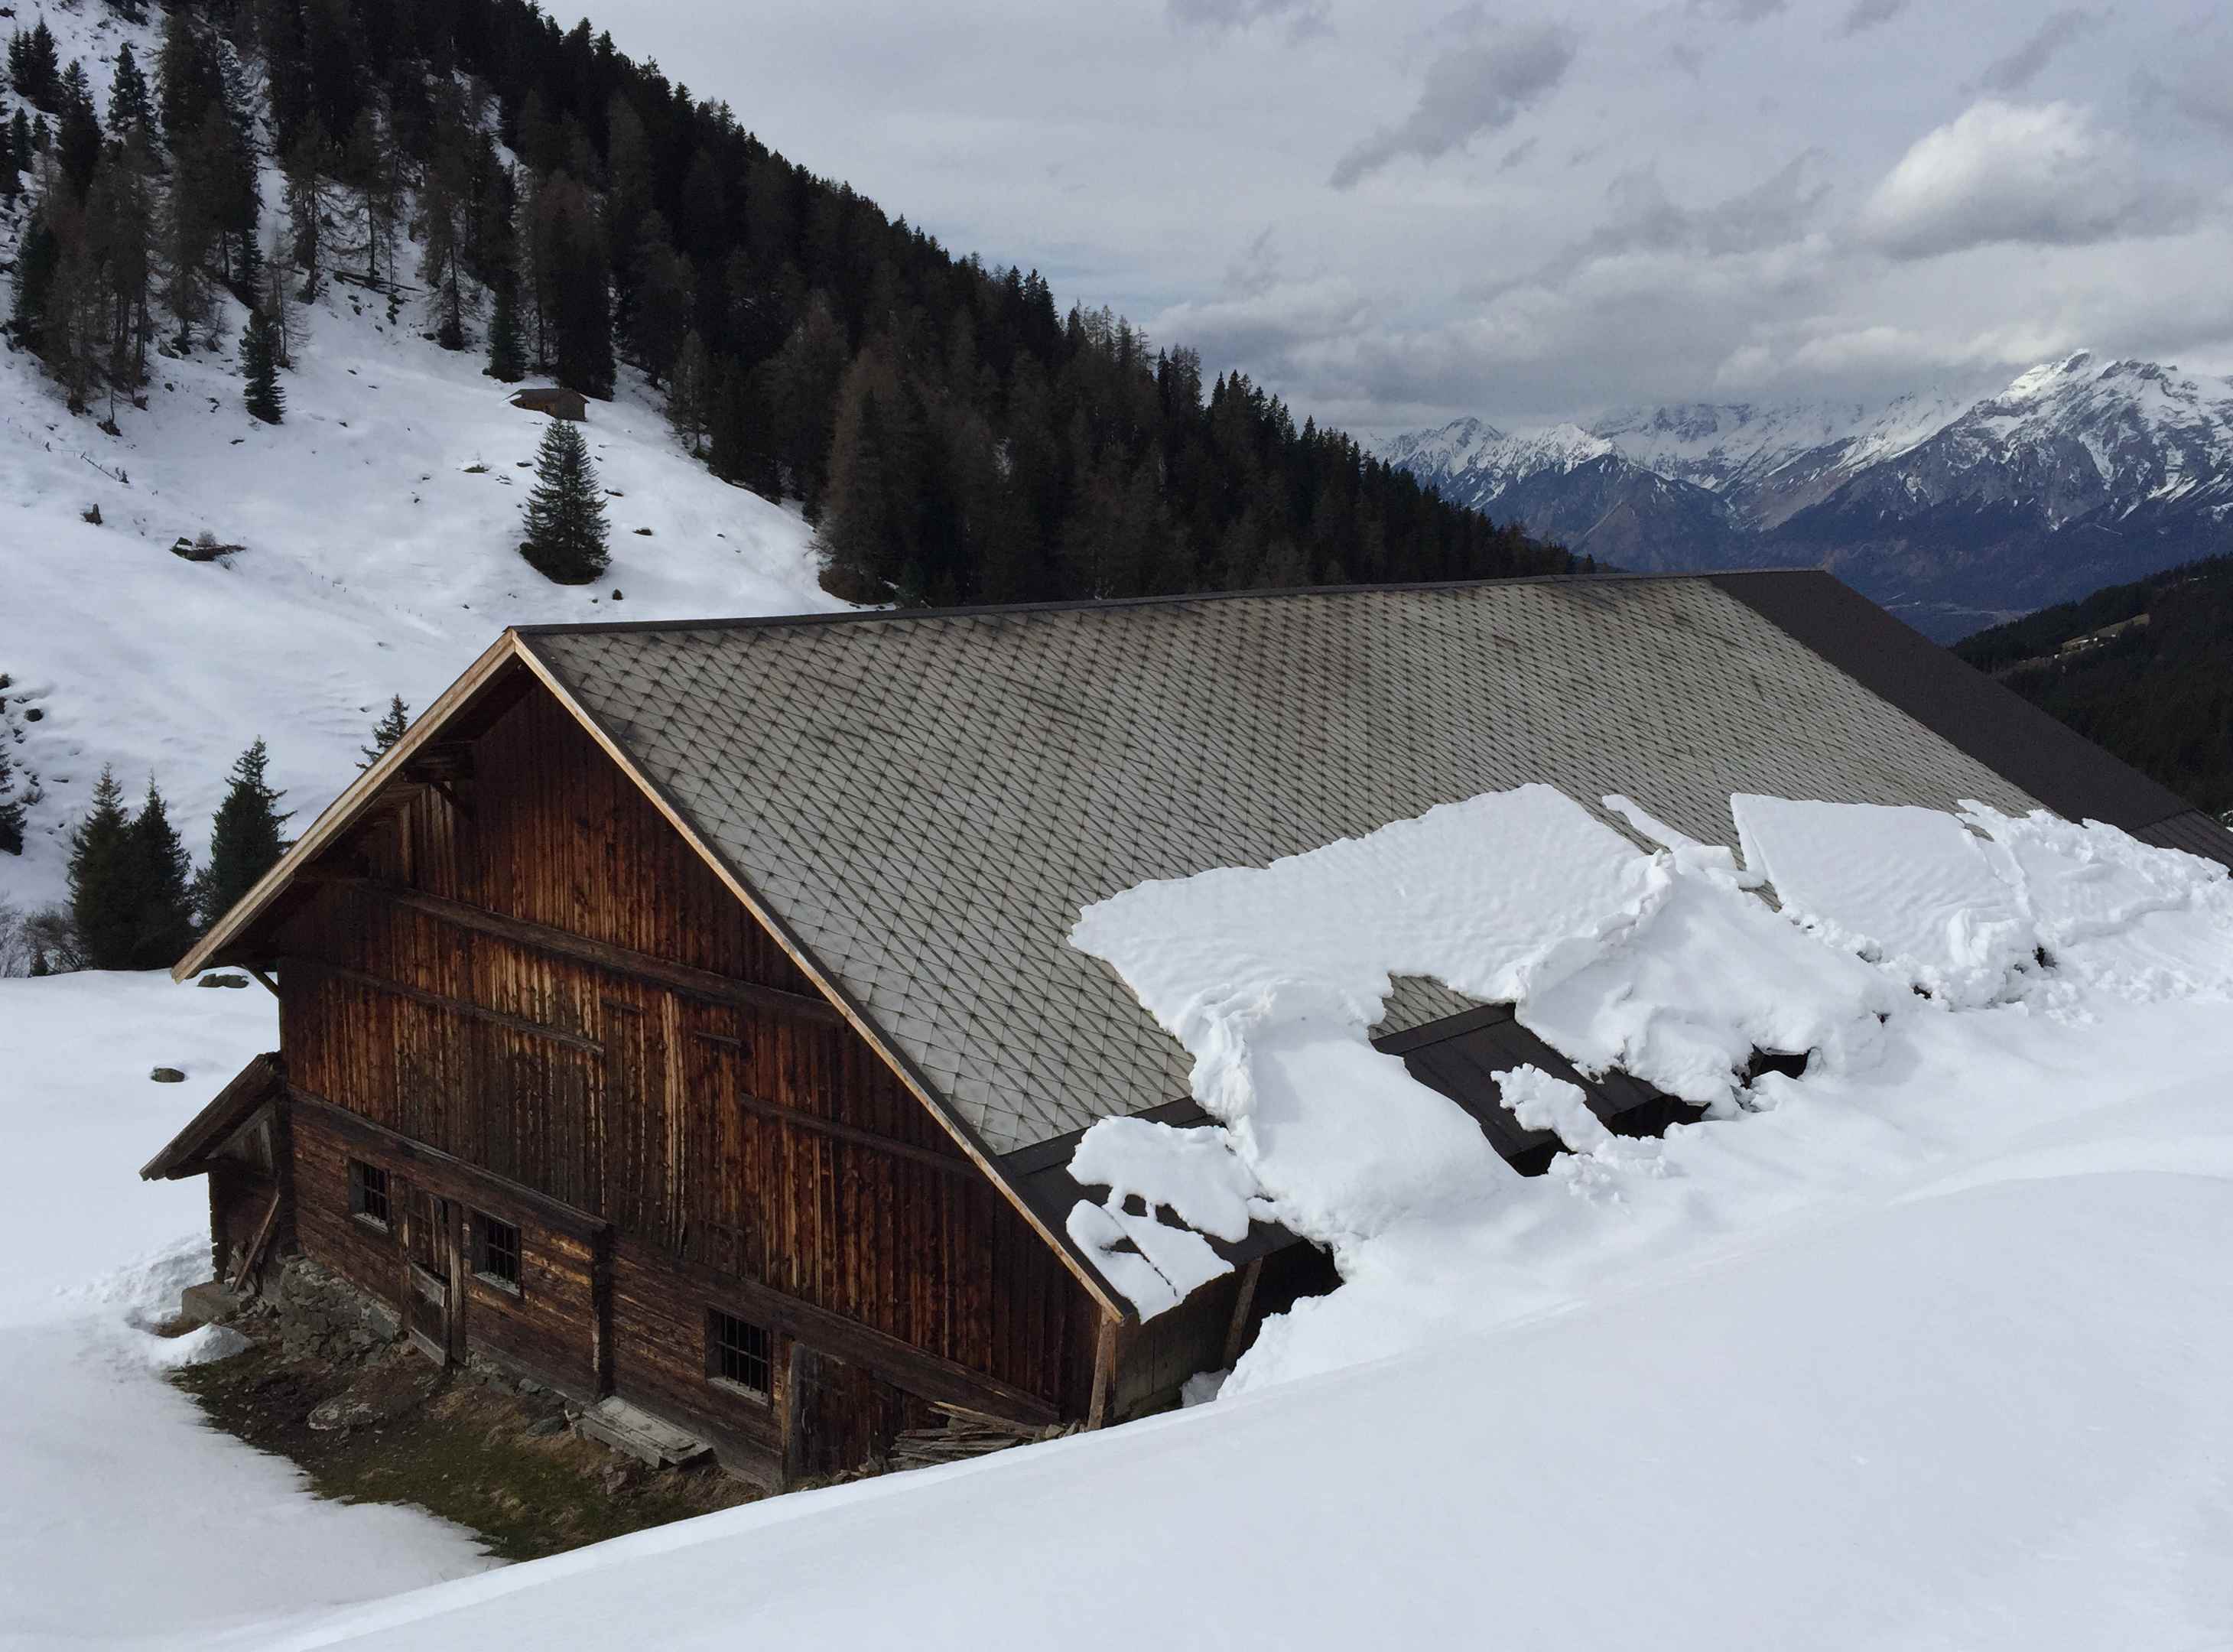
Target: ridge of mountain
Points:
(1956, 511)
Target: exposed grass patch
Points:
(448, 1445)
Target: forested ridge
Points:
(529, 191)
(2145, 669)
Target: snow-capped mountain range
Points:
(1957, 511)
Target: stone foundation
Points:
(322, 1315)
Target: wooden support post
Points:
(1106, 1344)
(256, 1246)
(262, 980)
(1236, 1335)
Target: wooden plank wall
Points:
(545, 1327)
(749, 1142)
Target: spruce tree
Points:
(259, 365)
(40, 252)
(160, 882)
(102, 906)
(245, 839)
(691, 393)
(386, 731)
(38, 76)
(80, 139)
(131, 106)
(11, 163)
(308, 160)
(13, 806)
(566, 513)
(507, 357)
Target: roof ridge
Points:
(994, 610)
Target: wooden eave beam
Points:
(567, 1035)
(621, 960)
(471, 1179)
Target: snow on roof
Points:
(928, 801)
(1668, 966)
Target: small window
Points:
(738, 1352)
(368, 1191)
(496, 1251)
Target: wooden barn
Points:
(684, 1013)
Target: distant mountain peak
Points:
(1956, 509)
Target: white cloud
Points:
(2042, 174)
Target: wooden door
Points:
(432, 1292)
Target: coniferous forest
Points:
(955, 435)
(2145, 669)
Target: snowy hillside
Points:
(379, 525)
(1954, 511)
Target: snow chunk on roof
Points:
(1912, 889)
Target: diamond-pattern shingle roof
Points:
(928, 801)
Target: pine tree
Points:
(13, 807)
(121, 227)
(441, 211)
(372, 171)
(660, 315)
(37, 75)
(566, 514)
(35, 278)
(385, 732)
(188, 231)
(79, 139)
(245, 839)
(131, 106)
(308, 160)
(102, 899)
(691, 393)
(11, 161)
(507, 360)
(259, 365)
(160, 875)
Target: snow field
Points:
(123, 1519)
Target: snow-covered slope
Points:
(380, 523)
(1956, 509)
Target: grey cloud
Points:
(2202, 91)
(1738, 11)
(1468, 90)
(1303, 17)
(1864, 15)
(1517, 153)
(2021, 66)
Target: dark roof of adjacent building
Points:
(925, 801)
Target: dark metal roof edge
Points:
(1004, 610)
(1985, 719)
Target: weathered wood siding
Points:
(328, 1233)
(739, 1141)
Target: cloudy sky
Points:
(1394, 212)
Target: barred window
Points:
(738, 1352)
(496, 1251)
(368, 1191)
